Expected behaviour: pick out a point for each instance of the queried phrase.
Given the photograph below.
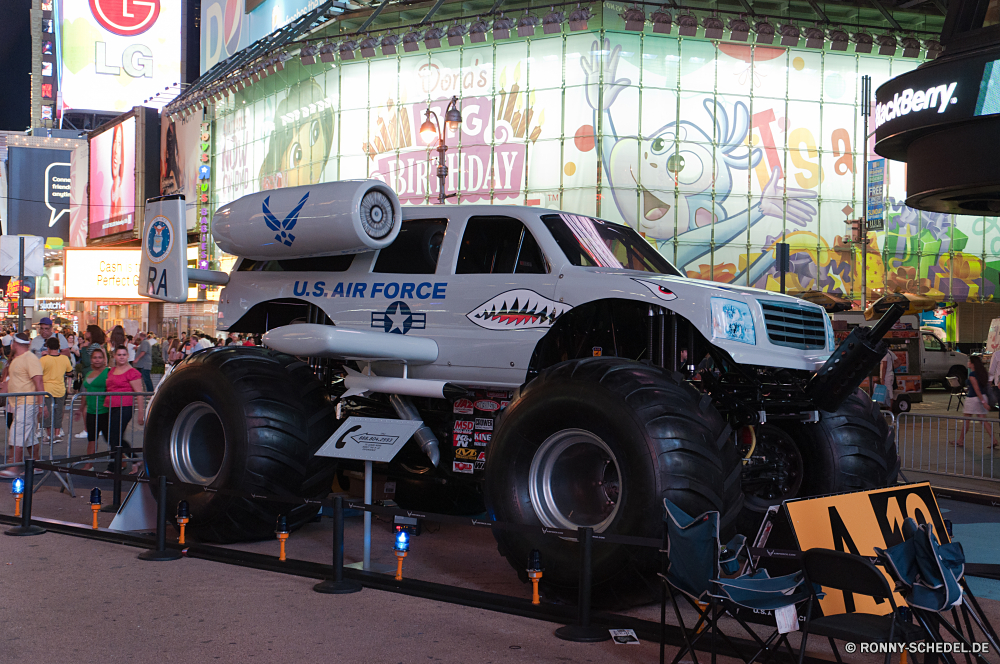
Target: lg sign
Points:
(126, 17)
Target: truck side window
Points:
(932, 343)
(499, 245)
(415, 250)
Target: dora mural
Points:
(715, 152)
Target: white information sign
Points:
(369, 438)
(10, 255)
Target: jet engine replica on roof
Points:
(551, 357)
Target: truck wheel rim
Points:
(574, 481)
(197, 444)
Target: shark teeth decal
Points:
(519, 309)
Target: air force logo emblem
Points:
(283, 229)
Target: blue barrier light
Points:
(402, 541)
(17, 486)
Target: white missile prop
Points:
(312, 340)
(360, 383)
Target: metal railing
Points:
(946, 445)
(117, 425)
(29, 426)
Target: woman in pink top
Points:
(123, 378)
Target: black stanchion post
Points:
(338, 585)
(161, 552)
(583, 631)
(26, 528)
(116, 494)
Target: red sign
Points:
(125, 17)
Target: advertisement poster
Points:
(180, 151)
(39, 199)
(227, 28)
(79, 208)
(112, 180)
(116, 53)
(104, 275)
(714, 152)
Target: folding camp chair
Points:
(930, 576)
(853, 574)
(957, 390)
(694, 565)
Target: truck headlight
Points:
(732, 320)
(831, 340)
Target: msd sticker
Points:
(483, 423)
(461, 439)
(462, 467)
(463, 407)
(487, 405)
(482, 439)
(464, 426)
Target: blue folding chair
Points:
(695, 563)
(930, 576)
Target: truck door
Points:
(501, 286)
(934, 358)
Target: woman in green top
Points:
(96, 380)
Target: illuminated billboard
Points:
(116, 53)
(39, 192)
(112, 180)
(103, 275)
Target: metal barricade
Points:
(30, 425)
(945, 445)
(111, 415)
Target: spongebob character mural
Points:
(714, 151)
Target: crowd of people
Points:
(102, 362)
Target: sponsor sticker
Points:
(480, 465)
(464, 426)
(481, 457)
(461, 439)
(498, 395)
(463, 407)
(464, 453)
(483, 423)
(462, 467)
(503, 404)
(487, 405)
(482, 439)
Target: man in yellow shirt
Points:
(55, 366)
(25, 375)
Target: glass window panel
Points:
(839, 78)
(545, 63)
(804, 75)
(354, 85)
(660, 61)
(543, 116)
(544, 158)
(659, 110)
(735, 74)
(769, 71)
(697, 66)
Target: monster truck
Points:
(549, 355)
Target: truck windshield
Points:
(590, 242)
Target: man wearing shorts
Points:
(25, 372)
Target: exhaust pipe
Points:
(426, 439)
(851, 363)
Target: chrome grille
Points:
(794, 325)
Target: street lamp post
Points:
(431, 131)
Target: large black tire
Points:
(666, 439)
(853, 449)
(244, 419)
